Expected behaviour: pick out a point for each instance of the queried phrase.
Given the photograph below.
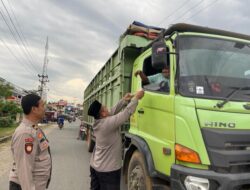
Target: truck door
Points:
(155, 114)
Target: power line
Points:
(12, 36)
(9, 27)
(18, 25)
(25, 68)
(191, 8)
(213, 2)
(27, 55)
(171, 14)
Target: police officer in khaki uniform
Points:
(106, 159)
(32, 162)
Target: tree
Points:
(5, 90)
(8, 111)
(9, 108)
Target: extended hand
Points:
(137, 72)
(128, 96)
(139, 94)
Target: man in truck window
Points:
(106, 159)
(158, 78)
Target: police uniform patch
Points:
(40, 135)
(28, 147)
(27, 140)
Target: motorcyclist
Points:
(60, 120)
(81, 132)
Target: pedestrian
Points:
(32, 162)
(106, 159)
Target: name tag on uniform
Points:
(43, 142)
(43, 145)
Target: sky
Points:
(83, 34)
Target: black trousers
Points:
(14, 186)
(105, 180)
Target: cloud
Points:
(75, 84)
(74, 88)
(84, 34)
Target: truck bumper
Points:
(218, 181)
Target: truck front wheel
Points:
(138, 178)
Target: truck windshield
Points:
(212, 67)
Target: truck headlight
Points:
(196, 183)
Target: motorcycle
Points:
(82, 132)
(60, 125)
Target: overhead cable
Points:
(187, 11)
(25, 49)
(172, 13)
(20, 29)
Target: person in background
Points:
(60, 120)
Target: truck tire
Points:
(138, 178)
(90, 142)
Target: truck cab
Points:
(196, 134)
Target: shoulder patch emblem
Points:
(39, 135)
(27, 140)
(28, 148)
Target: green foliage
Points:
(8, 111)
(9, 108)
(5, 122)
(5, 90)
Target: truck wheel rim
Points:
(136, 179)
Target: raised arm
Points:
(121, 104)
(117, 120)
(118, 107)
(143, 77)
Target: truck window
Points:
(158, 79)
(212, 68)
(148, 70)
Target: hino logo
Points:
(219, 124)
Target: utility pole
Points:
(44, 77)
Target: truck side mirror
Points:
(159, 55)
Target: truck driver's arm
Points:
(143, 77)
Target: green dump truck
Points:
(195, 134)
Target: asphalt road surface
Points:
(69, 156)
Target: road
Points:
(69, 156)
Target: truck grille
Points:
(228, 150)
